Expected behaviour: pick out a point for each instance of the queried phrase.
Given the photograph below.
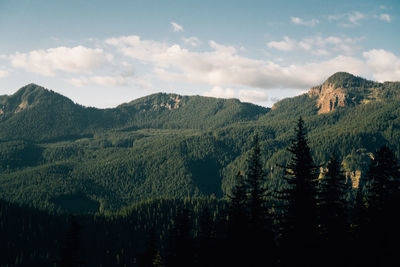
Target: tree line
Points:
(309, 221)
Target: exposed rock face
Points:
(329, 97)
(354, 176)
(173, 102)
(343, 89)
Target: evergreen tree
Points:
(333, 213)
(299, 216)
(250, 233)
(238, 198)
(255, 185)
(205, 249)
(332, 200)
(237, 232)
(70, 254)
(181, 245)
(151, 257)
(384, 180)
(261, 240)
(383, 195)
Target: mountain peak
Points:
(346, 80)
(27, 97)
(158, 101)
(343, 89)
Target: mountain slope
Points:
(173, 111)
(343, 90)
(36, 114)
(156, 147)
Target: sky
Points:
(104, 53)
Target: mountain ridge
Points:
(119, 156)
(343, 89)
(52, 115)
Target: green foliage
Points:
(51, 148)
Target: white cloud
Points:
(224, 67)
(220, 92)
(355, 17)
(3, 73)
(176, 27)
(192, 41)
(123, 79)
(318, 45)
(384, 65)
(79, 82)
(243, 95)
(299, 21)
(134, 47)
(385, 17)
(348, 19)
(286, 45)
(110, 80)
(47, 62)
(253, 96)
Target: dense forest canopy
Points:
(315, 218)
(55, 154)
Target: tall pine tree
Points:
(333, 209)
(299, 224)
(260, 223)
(250, 233)
(383, 196)
(180, 251)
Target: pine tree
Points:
(333, 213)
(332, 200)
(152, 252)
(260, 223)
(181, 244)
(250, 233)
(299, 220)
(237, 232)
(255, 179)
(384, 179)
(205, 240)
(70, 254)
(383, 196)
(237, 205)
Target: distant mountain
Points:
(171, 111)
(343, 89)
(34, 113)
(37, 114)
(54, 153)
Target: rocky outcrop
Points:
(329, 97)
(343, 89)
(173, 102)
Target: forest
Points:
(316, 218)
(55, 154)
(169, 180)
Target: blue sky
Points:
(104, 53)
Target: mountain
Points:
(37, 114)
(166, 145)
(34, 113)
(171, 111)
(343, 89)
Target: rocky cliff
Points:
(343, 89)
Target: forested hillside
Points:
(314, 219)
(36, 114)
(55, 154)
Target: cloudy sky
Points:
(103, 53)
